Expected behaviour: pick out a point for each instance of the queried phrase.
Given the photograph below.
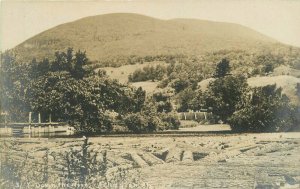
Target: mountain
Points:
(123, 34)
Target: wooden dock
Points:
(30, 127)
(16, 129)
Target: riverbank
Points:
(234, 161)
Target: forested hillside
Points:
(117, 37)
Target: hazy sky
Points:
(280, 19)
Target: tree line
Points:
(245, 109)
(70, 91)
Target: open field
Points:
(286, 82)
(268, 160)
(121, 73)
(286, 70)
(148, 86)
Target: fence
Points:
(196, 116)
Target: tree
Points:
(179, 84)
(69, 57)
(1, 110)
(298, 90)
(137, 75)
(65, 61)
(269, 60)
(184, 99)
(162, 100)
(268, 68)
(224, 94)
(159, 72)
(102, 73)
(197, 102)
(140, 97)
(13, 79)
(59, 63)
(264, 109)
(70, 92)
(86, 102)
(222, 69)
(80, 61)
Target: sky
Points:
(22, 19)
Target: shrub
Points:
(179, 85)
(170, 120)
(149, 119)
(136, 122)
(268, 68)
(162, 100)
(164, 106)
(148, 73)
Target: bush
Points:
(179, 85)
(162, 100)
(170, 121)
(148, 73)
(139, 122)
(265, 110)
(150, 120)
(136, 122)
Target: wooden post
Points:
(40, 118)
(39, 121)
(29, 118)
(29, 125)
(50, 118)
(184, 116)
(5, 120)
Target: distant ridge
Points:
(124, 34)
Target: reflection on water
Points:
(36, 131)
(45, 135)
(38, 135)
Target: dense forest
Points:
(70, 89)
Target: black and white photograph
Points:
(149, 94)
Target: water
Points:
(37, 131)
(38, 135)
